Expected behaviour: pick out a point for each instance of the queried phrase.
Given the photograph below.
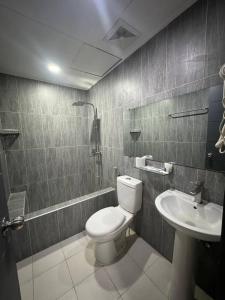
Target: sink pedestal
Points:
(183, 267)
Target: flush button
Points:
(128, 178)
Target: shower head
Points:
(222, 72)
(82, 103)
(79, 103)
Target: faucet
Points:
(197, 191)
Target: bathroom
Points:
(111, 186)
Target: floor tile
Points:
(47, 259)
(97, 286)
(26, 290)
(201, 295)
(24, 269)
(82, 265)
(71, 295)
(53, 284)
(124, 273)
(160, 274)
(143, 289)
(143, 254)
(74, 244)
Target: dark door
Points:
(9, 285)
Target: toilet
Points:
(107, 227)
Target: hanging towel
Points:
(221, 141)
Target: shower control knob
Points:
(15, 224)
(210, 155)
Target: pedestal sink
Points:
(192, 221)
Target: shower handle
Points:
(15, 224)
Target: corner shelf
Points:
(16, 204)
(6, 132)
(135, 131)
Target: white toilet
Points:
(107, 227)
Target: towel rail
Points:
(189, 113)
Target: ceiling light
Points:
(54, 68)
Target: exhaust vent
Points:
(121, 34)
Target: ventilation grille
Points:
(121, 34)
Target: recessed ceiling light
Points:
(54, 68)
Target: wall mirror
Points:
(182, 129)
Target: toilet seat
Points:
(104, 221)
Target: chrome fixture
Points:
(96, 151)
(197, 191)
(15, 224)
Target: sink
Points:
(192, 222)
(200, 221)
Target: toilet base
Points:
(107, 252)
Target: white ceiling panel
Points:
(34, 33)
(87, 20)
(94, 61)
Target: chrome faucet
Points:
(197, 191)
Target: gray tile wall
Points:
(45, 230)
(50, 157)
(183, 58)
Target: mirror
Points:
(182, 129)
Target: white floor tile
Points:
(143, 254)
(201, 295)
(124, 273)
(71, 295)
(143, 289)
(26, 290)
(53, 284)
(82, 265)
(160, 273)
(74, 244)
(47, 259)
(24, 269)
(97, 286)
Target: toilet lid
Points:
(104, 221)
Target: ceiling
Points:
(77, 35)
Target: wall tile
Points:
(68, 215)
(38, 196)
(28, 96)
(32, 131)
(8, 93)
(57, 191)
(21, 243)
(36, 165)
(44, 232)
(54, 161)
(16, 167)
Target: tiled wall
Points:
(182, 58)
(52, 225)
(50, 158)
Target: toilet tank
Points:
(129, 192)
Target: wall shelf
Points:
(16, 204)
(5, 132)
(153, 170)
(135, 131)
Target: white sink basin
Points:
(200, 221)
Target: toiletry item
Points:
(150, 157)
(140, 162)
(168, 167)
